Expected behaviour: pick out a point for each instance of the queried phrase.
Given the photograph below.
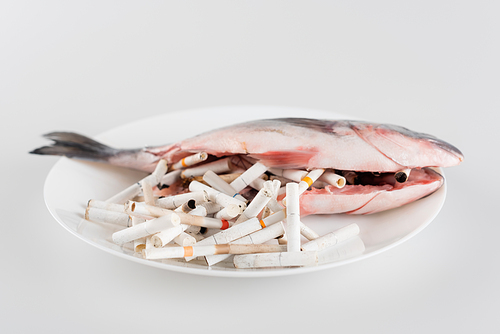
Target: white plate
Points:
(71, 183)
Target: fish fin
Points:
(284, 159)
(73, 145)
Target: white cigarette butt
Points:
(283, 259)
(248, 176)
(106, 216)
(190, 160)
(293, 217)
(332, 238)
(147, 228)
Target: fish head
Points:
(406, 147)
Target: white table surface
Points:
(89, 66)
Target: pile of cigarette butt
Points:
(213, 220)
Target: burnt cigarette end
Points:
(162, 186)
(203, 230)
(401, 176)
(191, 204)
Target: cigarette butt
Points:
(169, 179)
(229, 212)
(290, 174)
(215, 195)
(166, 235)
(133, 190)
(147, 190)
(143, 210)
(187, 207)
(332, 238)
(144, 229)
(248, 176)
(345, 250)
(210, 207)
(106, 216)
(196, 250)
(93, 203)
(219, 167)
(333, 179)
(190, 160)
(207, 222)
(308, 180)
(126, 194)
(283, 240)
(350, 177)
(293, 217)
(257, 204)
(307, 232)
(185, 239)
(219, 184)
(199, 211)
(160, 170)
(403, 175)
(269, 260)
(175, 201)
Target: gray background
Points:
(89, 66)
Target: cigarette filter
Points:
(164, 236)
(283, 259)
(333, 179)
(185, 239)
(229, 212)
(190, 160)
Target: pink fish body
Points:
(301, 143)
(309, 143)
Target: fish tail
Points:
(74, 145)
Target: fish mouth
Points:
(371, 192)
(382, 179)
